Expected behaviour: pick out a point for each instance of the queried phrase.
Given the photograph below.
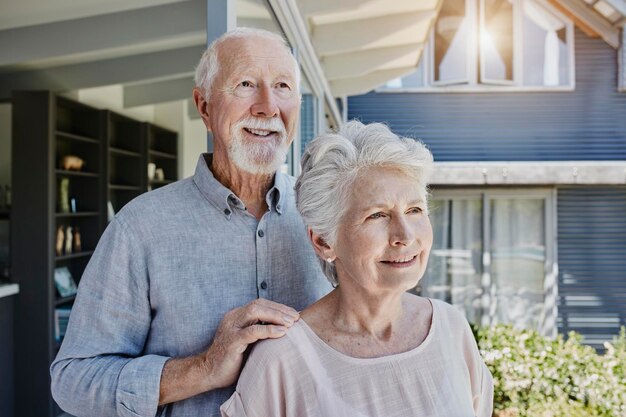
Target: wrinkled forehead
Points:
(386, 186)
(254, 56)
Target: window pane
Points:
(308, 117)
(450, 43)
(518, 255)
(546, 53)
(496, 41)
(455, 265)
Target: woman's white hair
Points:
(333, 161)
(209, 65)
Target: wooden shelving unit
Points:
(45, 129)
(162, 150)
(115, 150)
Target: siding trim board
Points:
(529, 173)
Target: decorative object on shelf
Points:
(159, 174)
(72, 163)
(76, 243)
(61, 318)
(68, 240)
(64, 282)
(60, 240)
(64, 195)
(73, 205)
(151, 170)
(110, 211)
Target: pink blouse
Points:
(299, 375)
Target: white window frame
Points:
(429, 50)
(548, 321)
(430, 86)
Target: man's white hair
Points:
(208, 66)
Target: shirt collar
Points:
(224, 199)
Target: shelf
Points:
(77, 173)
(124, 152)
(64, 300)
(161, 182)
(74, 255)
(79, 214)
(125, 187)
(8, 289)
(160, 154)
(77, 137)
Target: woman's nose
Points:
(402, 233)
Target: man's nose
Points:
(265, 103)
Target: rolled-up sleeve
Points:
(100, 369)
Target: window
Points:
(492, 257)
(308, 125)
(495, 45)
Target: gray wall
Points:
(586, 124)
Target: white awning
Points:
(361, 44)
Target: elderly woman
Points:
(369, 348)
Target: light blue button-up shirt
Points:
(166, 270)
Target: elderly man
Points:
(186, 277)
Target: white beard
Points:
(258, 158)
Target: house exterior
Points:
(521, 103)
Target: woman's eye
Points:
(376, 215)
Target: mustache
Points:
(273, 124)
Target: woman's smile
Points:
(403, 262)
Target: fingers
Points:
(258, 332)
(265, 311)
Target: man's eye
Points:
(415, 210)
(244, 89)
(283, 89)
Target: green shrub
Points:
(539, 377)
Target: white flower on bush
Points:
(534, 376)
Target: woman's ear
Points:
(320, 246)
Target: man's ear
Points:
(202, 106)
(320, 246)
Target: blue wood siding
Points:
(586, 124)
(307, 120)
(592, 261)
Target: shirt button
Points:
(227, 212)
(264, 285)
(260, 233)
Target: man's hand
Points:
(260, 319)
(220, 364)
